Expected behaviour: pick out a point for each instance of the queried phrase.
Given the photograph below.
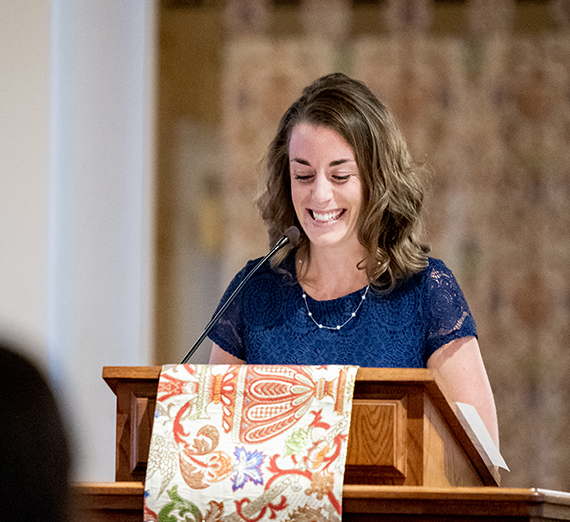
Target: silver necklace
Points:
(338, 326)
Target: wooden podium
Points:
(409, 456)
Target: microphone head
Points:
(293, 234)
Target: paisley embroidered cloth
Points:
(249, 443)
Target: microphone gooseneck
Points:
(291, 236)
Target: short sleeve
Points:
(445, 311)
(227, 333)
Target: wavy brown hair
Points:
(389, 224)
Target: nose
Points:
(322, 189)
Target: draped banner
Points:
(249, 442)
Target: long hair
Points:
(389, 225)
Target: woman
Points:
(359, 288)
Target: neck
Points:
(329, 274)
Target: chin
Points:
(328, 240)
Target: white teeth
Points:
(329, 216)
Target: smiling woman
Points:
(392, 186)
(326, 192)
(359, 288)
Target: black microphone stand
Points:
(291, 235)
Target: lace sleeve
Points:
(228, 332)
(445, 310)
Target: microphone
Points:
(291, 236)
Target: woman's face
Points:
(325, 185)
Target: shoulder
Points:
(439, 287)
(437, 281)
(436, 270)
(285, 272)
(249, 267)
(437, 265)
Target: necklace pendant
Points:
(338, 326)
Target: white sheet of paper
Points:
(479, 429)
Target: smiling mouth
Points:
(326, 217)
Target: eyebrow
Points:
(331, 164)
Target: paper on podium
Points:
(470, 415)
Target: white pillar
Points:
(101, 210)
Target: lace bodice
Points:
(268, 322)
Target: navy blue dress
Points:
(268, 322)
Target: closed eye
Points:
(303, 177)
(341, 179)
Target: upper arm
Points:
(459, 366)
(445, 311)
(219, 356)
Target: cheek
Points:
(359, 193)
(296, 195)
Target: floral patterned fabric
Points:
(249, 442)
